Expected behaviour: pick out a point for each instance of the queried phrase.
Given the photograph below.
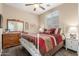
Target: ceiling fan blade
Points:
(28, 4)
(48, 5)
(34, 9)
(42, 7)
(40, 3)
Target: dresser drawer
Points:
(69, 43)
(75, 42)
(10, 39)
(75, 48)
(69, 46)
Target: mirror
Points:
(15, 25)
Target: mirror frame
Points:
(14, 20)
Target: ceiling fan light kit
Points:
(37, 5)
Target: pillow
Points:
(24, 32)
(52, 30)
(47, 32)
(58, 31)
(43, 31)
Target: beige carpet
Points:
(20, 51)
(64, 52)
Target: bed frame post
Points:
(38, 41)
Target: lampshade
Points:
(73, 29)
(41, 29)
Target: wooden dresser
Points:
(10, 39)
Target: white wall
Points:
(10, 12)
(0, 8)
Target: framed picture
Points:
(26, 25)
(32, 26)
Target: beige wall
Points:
(0, 31)
(0, 8)
(14, 13)
(68, 15)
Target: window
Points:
(52, 20)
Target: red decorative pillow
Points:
(58, 31)
(47, 32)
(25, 32)
(43, 31)
(52, 30)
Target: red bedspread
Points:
(46, 42)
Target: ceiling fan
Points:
(36, 5)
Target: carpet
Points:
(21, 51)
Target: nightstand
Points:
(72, 44)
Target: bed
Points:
(41, 44)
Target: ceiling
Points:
(30, 8)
